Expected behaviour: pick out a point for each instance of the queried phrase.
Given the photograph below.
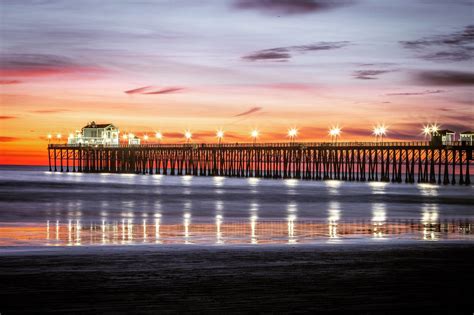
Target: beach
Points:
(370, 279)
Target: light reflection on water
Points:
(430, 221)
(91, 209)
(378, 220)
(255, 231)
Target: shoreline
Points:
(345, 245)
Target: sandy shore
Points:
(374, 278)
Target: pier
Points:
(409, 162)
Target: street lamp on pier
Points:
(159, 136)
(431, 130)
(380, 131)
(292, 133)
(220, 136)
(335, 132)
(188, 135)
(254, 134)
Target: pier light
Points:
(220, 135)
(49, 136)
(159, 135)
(125, 136)
(254, 134)
(71, 136)
(145, 137)
(58, 136)
(434, 129)
(188, 135)
(426, 130)
(335, 132)
(380, 131)
(431, 130)
(292, 133)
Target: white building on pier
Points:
(96, 134)
(467, 137)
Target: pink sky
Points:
(232, 65)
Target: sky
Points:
(234, 65)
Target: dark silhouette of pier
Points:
(409, 162)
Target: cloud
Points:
(377, 64)
(453, 55)
(166, 90)
(402, 135)
(7, 117)
(443, 77)
(369, 74)
(453, 47)
(8, 139)
(285, 53)
(320, 46)
(49, 111)
(150, 90)
(138, 90)
(289, 7)
(249, 112)
(7, 82)
(416, 93)
(174, 135)
(267, 55)
(39, 65)
(289, 86)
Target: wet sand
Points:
(355, 278)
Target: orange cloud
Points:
(8, 139)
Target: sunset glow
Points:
(169, 66)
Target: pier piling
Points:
(387, 162)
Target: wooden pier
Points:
(409, 162)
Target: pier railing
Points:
(265, 145)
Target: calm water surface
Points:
(49, 209)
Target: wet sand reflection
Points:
(254, 231)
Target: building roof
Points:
(94, 125)
(445, 131)
(469, 132)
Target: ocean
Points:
(41, 208)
